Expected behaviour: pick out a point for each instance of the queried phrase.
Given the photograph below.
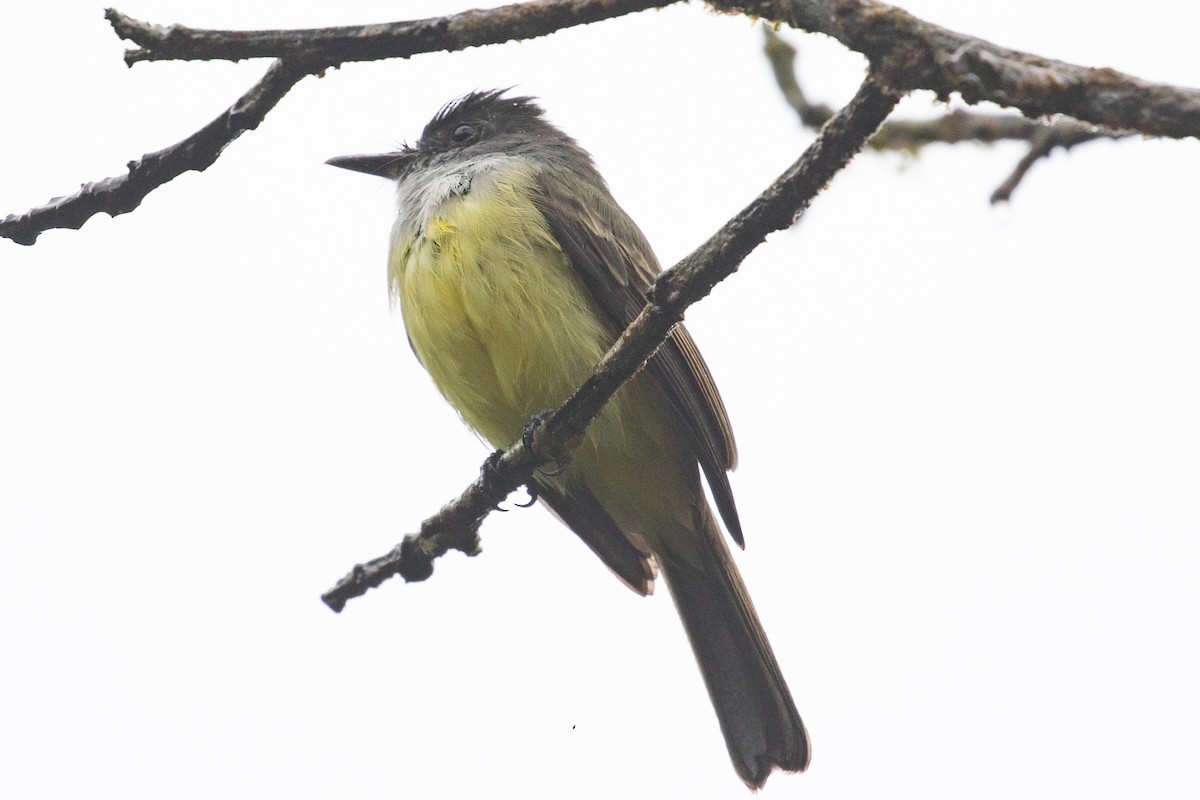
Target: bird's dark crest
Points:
(490, 109)
(484, 104)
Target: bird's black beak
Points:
(385, 165)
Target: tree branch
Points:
(124, 193)
(456, 526)
(951, 128)
(913, 54)
(332, 46)
(907, 52)
(299, 53)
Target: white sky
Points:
(969, 439)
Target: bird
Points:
(515, 270)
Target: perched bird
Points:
(515, 270)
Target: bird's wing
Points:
(617, 266)
(584, 515)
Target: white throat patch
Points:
(422, 195)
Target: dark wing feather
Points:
(591, 523)
(618, 267)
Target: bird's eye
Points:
(464, 133)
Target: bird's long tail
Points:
(762, 728)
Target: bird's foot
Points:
(536, 421)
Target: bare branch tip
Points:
(123, 25)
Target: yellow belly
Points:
(506, 329)
(494, 313)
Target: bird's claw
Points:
(560, 464)
(532, 491)
(488, 472)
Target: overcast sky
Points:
(970, 447)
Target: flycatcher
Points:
(515, 271)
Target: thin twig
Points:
(781, 55)
(675, 290)
(1039, 147)
(124, 193)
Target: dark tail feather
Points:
(762, 728)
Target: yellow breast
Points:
(492, 307)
